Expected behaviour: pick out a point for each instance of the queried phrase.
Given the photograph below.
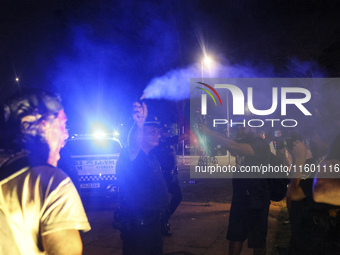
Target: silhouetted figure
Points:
(251, 196)
(312, 226)
(142, 189)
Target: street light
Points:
(18, 83)
(205, 61)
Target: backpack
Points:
(277, 185)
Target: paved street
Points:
(199, 226)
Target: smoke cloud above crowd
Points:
(101, 56)
(175, 84)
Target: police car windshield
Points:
(93, 146)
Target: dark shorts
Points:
(248, 223)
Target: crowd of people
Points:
(313, 215)
(312, 195)
(41, 211)
(40, 208)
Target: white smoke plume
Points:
(175, 84)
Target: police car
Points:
(95, 158)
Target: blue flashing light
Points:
(99, 134)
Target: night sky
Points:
(100, 55)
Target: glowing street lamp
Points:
(17, 82)
(205, 61)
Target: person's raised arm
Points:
(243, 149)
(140, 112)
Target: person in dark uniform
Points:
(166, 155)
(142, 189)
